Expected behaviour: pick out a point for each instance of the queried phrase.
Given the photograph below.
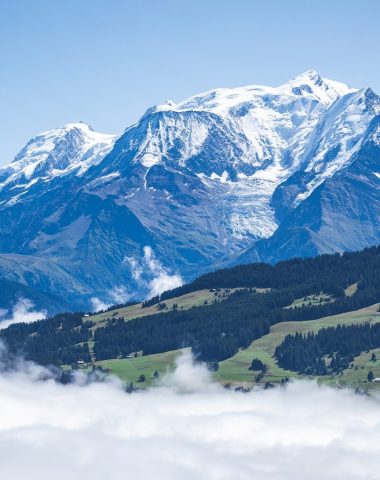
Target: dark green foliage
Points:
(58, 340)
(152, 301)
(216, 332)
(213, 366)
(130, 388)
(257, 365)
(370, 376)
(307, 353)
(330, 273)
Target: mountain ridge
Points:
(229, 175)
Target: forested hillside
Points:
(325, 272)
(296, 290)
(331, 350)
(62, 339)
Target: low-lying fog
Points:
(187, 428)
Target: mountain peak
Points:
(309, 76)
(73, 147)
(221, 100)
(311, 82)
(83, 126)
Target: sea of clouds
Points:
(187, 428)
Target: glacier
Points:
(230, 175)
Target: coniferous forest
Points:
(331, 350)
(59, 340)
(216, 332)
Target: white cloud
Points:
(136, 269)
(189, 429)
(98, 304)
(163, 282)
(120, 294)
(151, 275)
(115, 296)
(24, 312)
(189, 376)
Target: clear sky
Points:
(106, 61)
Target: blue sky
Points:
(105, 61)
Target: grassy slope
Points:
(236, 367)
(351, 290)
(320, 299)
(357, 376)
(135, 311)
(129, 370)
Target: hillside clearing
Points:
(129, 370)
(236, 367)
(189, 300)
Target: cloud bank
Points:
(188, 429)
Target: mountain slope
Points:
(70, 149)
(228, 175)
(343, 212)
(12, 294)
(219, 322)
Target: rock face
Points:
(342, 213)
(231, 175)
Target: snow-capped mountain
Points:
(228, 175)
(70, 149)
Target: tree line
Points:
(59, 340)
(336, 271)
(218, 330)
(328, 351)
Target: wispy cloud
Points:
(98, 304)
(116, 296)
(120, 294)
(24, 311)
(150, 275)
